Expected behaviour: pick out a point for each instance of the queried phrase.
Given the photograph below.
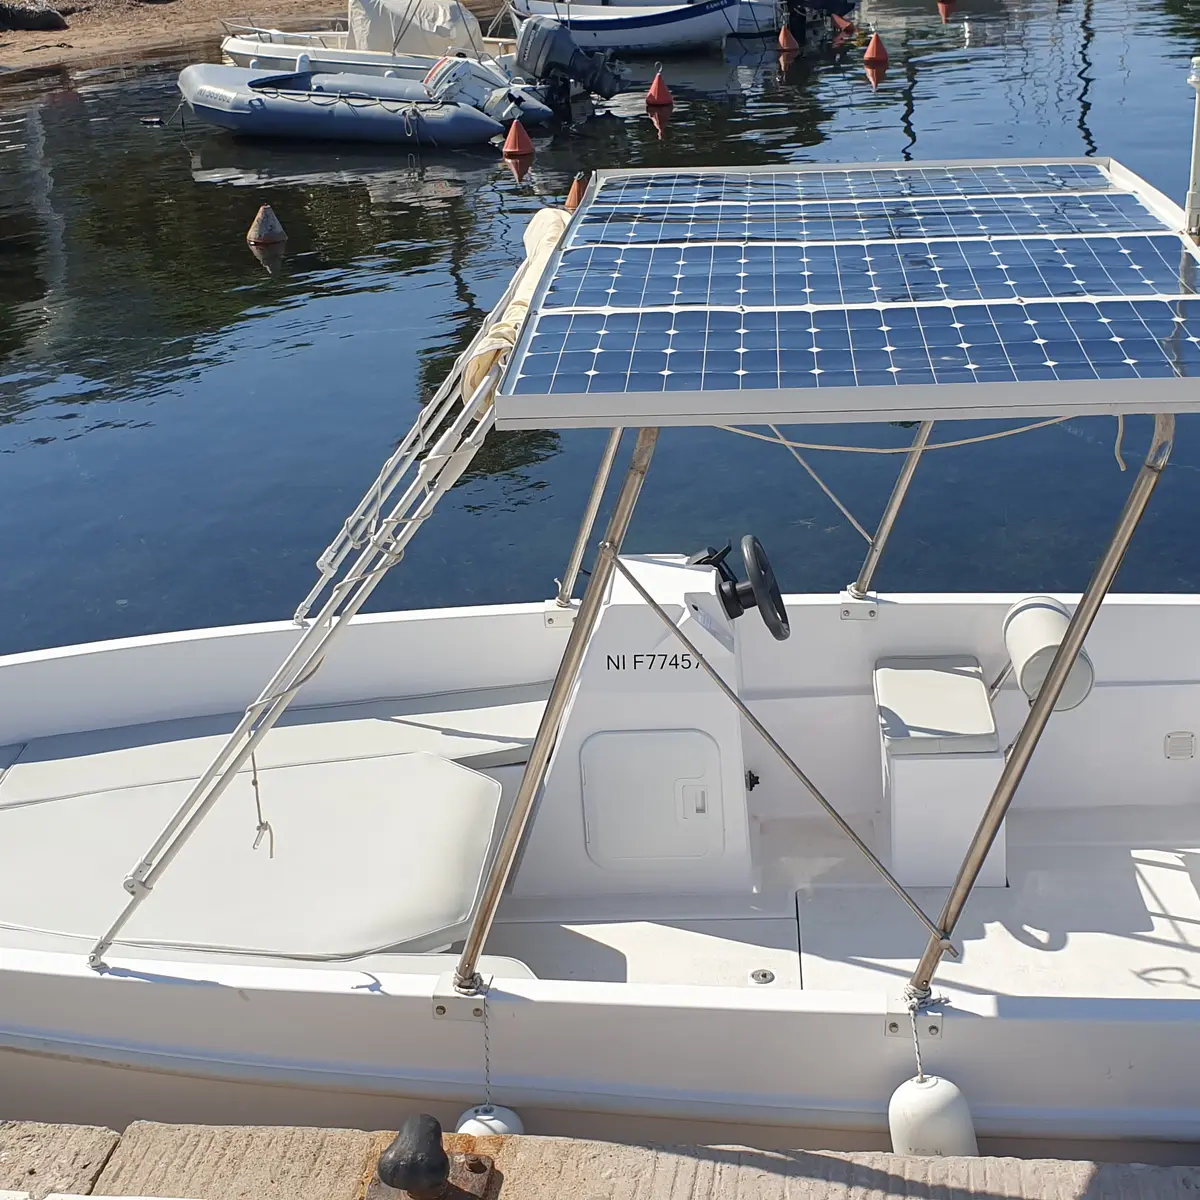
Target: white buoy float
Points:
(928, 1117)
(485, 1119)
(266, 229)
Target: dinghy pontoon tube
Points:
(657, 849)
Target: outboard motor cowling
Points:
(546, 50)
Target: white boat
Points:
(751, 18)
(651, 28)
(633, 860)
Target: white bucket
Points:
(1033, 629)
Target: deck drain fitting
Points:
(762, 975)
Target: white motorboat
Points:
(634, 860)
(750, 18)
(644, 29)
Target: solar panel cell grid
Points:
(924, 276)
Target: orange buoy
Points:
(517, 144)
(660, 114)
(946, 10)
(265, 230)
(659, 95)
(875, 75)
(841, 24)
(787, 41)
(876, 55)
(575, 195)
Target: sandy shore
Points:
(105, 31)
(111, 31)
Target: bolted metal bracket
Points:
(559, 616)
(449, 1004)
(857, 608)
(470, 1176)
(929, 1023)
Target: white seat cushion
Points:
(369, 854)
(934, 706)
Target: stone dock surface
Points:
(197, 1162)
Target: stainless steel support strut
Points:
(466, 976)
(1040, 710)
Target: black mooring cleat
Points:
(416, 1162)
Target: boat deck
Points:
(1099, 904)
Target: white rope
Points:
(1117, 446)
(821, 483)
(971, 441)
(916, 1003)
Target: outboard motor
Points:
(483, 86)
(545, 50)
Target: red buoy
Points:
(659, 95)
(575, 195)
(946, 10)
(841, 24)
(876, 55)
(517, 144)
(787, 41)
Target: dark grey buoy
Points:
(416, 1162)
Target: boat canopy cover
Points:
(432, 27)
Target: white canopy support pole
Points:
(438, 472)
(466, 975)
(862, 585)
(1039, 711)
(1193, 196)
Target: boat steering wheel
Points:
(764, 589)
(760, 591)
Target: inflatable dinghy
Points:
(345, 108)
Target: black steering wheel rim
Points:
(766, 591)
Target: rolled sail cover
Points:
(430, 27)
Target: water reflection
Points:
(182, 430)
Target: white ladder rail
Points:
(358, 526)
(438, 472)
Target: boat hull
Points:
(644, 29)
(352, 109)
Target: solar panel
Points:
(707, 349)
(672, 290)
(855, 183)
(756, 276)
(871, 220)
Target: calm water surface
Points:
(181, 432)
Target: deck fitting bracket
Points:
(559, 616)
(930, 1022)
(857, 608)
(449, 1004)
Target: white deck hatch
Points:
(816, 294)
